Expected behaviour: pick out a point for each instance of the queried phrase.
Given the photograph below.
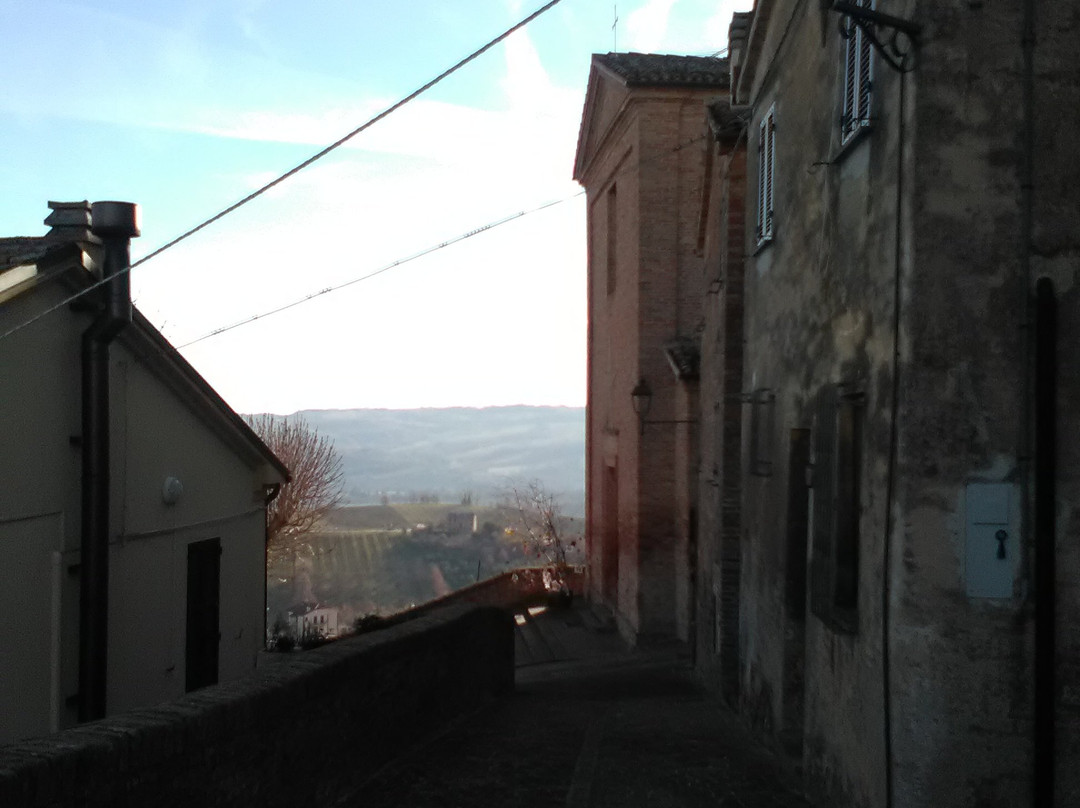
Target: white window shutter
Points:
(855, 106)
(862, 112)
(761, 204)
(851, 69)
(770, 171)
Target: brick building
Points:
(719, 552)
(642, 160)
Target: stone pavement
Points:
(591, 723)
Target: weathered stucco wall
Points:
(962, 667)
(924, 684)
(154, 434)
(818, 315)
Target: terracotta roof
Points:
(684, 354)
(21, 250)
(659, 70)
(724, 122)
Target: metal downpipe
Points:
(115, 223)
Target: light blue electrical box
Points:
(992, 540)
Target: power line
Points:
(387, 268)
(483, 229)
(317, 156)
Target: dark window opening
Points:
(762, 415)
(612, 237)
(836, 474)
(203, 613)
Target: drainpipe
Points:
(270, 493)
(1045, 549)
(115, 223)
(1040, 347)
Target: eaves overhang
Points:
(69, 264)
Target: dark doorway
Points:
(203, 612)
(611, 536)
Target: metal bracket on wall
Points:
(892, 50)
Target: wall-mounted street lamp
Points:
(641, 395)
(171, 490)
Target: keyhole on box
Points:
(1001, 535)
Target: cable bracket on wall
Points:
(901, 36)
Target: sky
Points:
(186, 106)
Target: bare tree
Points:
(315, 488)
(544, 531)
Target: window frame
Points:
(766, 218)
(611, 257)
(857, 90)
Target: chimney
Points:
(71, 222)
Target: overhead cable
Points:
(386, 268)
(317, 156)
(437, 247)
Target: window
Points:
(763, 409)
(766, 170)
(837, 496)
(612, 237)
(858, 76)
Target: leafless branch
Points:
(315, 488)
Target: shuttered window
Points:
(858, 80)
(766, 172)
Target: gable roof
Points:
(48, 260)
(614, 76)
(664, 70)
(19, 250)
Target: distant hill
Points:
(406, 454)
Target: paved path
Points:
(590, 724)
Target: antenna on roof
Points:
(614, 33)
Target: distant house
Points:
(132, 498)
(311, 621)
(642, 160)
(461, 522)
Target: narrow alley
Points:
(591, 723)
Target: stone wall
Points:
(298, 732)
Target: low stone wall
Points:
(302, 731)
(514, 589)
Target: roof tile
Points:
(661, 70)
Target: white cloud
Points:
(497, 319)
(647, 26)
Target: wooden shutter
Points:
(858, 51)
(851, 70)
(761, 205)
(771, 170)
(862, 111)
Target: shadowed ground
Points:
(591, 724)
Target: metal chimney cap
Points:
(114, 219)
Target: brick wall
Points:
(297, 732)
(719, 551)
(649, 154)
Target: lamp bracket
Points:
(892, 50)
